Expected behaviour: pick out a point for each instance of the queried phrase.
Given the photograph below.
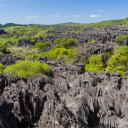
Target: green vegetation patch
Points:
(125, 21)
(92, 41)
(63, 50)
(119, 61)
(23, 51)
(42, 46)
(120, 38)
(26, 68)
(95, 64)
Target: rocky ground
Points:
(67, 97)
(70, 98)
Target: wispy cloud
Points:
(26, 0)
(1, 5)
(57, 16)
(29, 17)
(100, 10)
(77, 15)
(92, 16)
(67, 16)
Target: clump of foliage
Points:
(120, 38)
(62, 54)
(92, 41)
(23, 51)
(95, 64)
(119, 61)
(3, 47)
(42, 46)
(27, 68)
(105, 57)
(1, 68)
(95, 28)
(64, 42)
(125, 21)
(62, 50)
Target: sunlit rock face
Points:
(70, 98)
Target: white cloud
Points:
(67, 16)
(57, 16)
(92, 16)
(77, 15)
(29, 17)
(1, 5)
(100, 10)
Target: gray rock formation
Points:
(71, 98)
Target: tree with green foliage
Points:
(26, 68)
(66, 43)
(1, 68)
(95, 64)
(125, 21)
(120, 38)
(119, 61)
(42, 46)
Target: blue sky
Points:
(61, 11)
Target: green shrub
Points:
(35, 56)
(64, 42)
(42, 46)
(95, 28)
(120, 38)
(1, 68)
(26, 68)
(119, 61)
(95, 64)
(105, 57)
(23, 51)
(125, 21)
(57, 41)
(24, 37)
(92, 41)
(3, 46)
(69, 43)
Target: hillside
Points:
(68, 75)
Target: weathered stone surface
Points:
(7, 59)
(72, 98)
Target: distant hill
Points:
(10, 24)
(102, 23)
(97, 24)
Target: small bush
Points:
(125, 21)
(95, 64)
(1, 68)
(92, 41)
(95, 28)
(26, 68)
(66, 43)
(120, 38)
(119, 61)
(23, 51)
(42, 46)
